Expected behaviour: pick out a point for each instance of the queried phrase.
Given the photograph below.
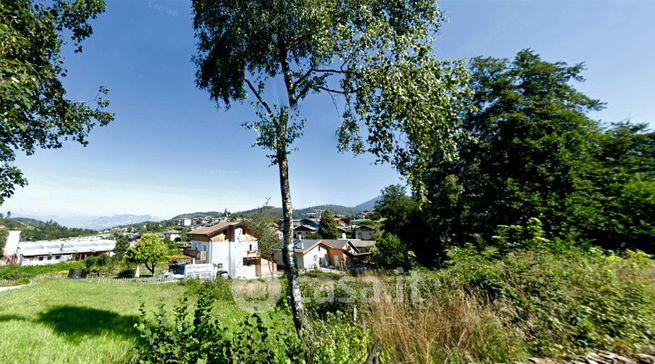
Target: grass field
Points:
(65, 321)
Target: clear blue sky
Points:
(171, 151)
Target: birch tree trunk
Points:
(297, 308)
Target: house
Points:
(301, 231)
(54, 251)
(363, 245)
(364, 232)
(173, 235)
(343, 233)
(185, 222)
(313, 223)
(311, 254)
(231, 247)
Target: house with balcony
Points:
(232, 249)
(311, 254)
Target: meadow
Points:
(76, 321)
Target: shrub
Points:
(565, 304)
(194, 335)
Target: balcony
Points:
(200, 256)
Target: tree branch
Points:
(260, 99)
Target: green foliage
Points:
(195, 335)
(149, 251)
(402, 216)
(327, 228)
(512, 237)
(565, 303)
(33, 108)
(313, 236)
(33, 230)
(24, 273)
(262, 223)
(121, 247)
(390, 252)
(98, 263)
(535, 153)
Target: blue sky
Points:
(170, 150)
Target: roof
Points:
(305, 245)
(66, 246)
(300, 245)
(358, 243)
(214, 229)
(305, 228)
(335, 243)
(364, 227)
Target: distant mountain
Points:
(297, 213)
(192, 215)
(108, 222)
(368, 205)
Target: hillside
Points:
(297, 213)
(33, 230)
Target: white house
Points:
(364, 232)
(309, 254)
(173, 235)
(301, 231)
(54, 251)
(231, 247)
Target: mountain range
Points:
(107, 222)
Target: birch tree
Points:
(373, 58)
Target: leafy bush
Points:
(23, 273)
(195, 335)
(390, 252)
(566, 303)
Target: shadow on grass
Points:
(76, 322)
(12, 317)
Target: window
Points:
(49, 257)
(40, 258)
(250, 248)
(57, 256)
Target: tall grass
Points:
(454, 328)
(490, 308)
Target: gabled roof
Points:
(300, 245)
(210, 231)
(305, 245)
(359, 243)
(305, 228)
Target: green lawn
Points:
(65, 321)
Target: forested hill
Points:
(297, 213)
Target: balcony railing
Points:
(200, 256)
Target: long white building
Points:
(53, 251)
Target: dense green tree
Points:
(262, 223)
(390, 252)
(122, 245)
(534, 152)
(403, 217)
(327, 227)
(375, 56)
(149, 251)
(34, 109)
